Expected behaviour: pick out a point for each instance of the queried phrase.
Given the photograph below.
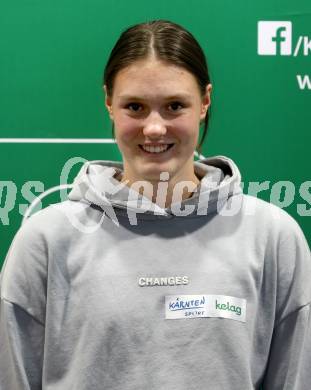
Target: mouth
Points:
(156, 149)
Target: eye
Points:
(175, 105)
(134, 107)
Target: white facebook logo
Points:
(274, 38)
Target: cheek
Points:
(189, 120)
(126, 128)
(187, 128)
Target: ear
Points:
(206, 101)
(108, 102)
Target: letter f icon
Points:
(278, 39)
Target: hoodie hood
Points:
(97, 185)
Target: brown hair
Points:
(168, 42)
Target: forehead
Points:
(153, 77)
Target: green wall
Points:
(52, 57)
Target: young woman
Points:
(157, 272)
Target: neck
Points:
(164, 193)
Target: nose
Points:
(154, 126)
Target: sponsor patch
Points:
(198, 306)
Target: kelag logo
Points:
(275, 38)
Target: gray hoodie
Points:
(108, 290)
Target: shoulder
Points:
(38, 234)
(278, 235)
(41, 237)
(287, 254)
(274, 220)
(53, 222)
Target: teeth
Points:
(155, 149)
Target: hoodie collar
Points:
(97, 185)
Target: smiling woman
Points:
(157, 94)
(155, 131)
(157, 272)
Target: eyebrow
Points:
(180, 96)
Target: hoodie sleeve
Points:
(21, 346)
(22, 310)
(289, 363)
(290, 354)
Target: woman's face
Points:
(157, 107)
